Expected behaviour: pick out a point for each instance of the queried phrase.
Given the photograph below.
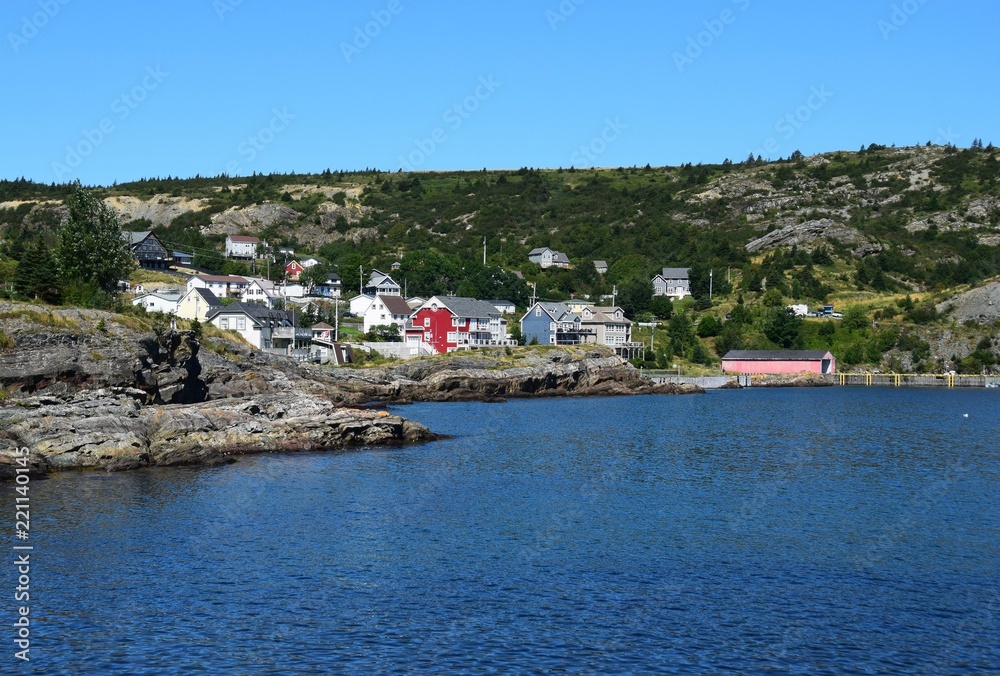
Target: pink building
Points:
(779, 361)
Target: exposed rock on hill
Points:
(250, 219)
(805, 235)
(158, 210)
(980, 305)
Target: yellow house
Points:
(197, 303)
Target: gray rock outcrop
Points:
(110, 430)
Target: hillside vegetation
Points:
(889, 232)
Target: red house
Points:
(779, 361)
(449, 323)
(293, 270)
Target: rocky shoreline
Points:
(92, 390)
(113, 431)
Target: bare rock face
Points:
(61, 351)
(110, 430)
(158, 210)
(980, 305)
(805, 235)
(250, 219)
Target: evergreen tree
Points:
(36, 276)
(92, 249)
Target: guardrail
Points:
(915, 380)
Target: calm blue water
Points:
(820, 530)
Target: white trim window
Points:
(241, 324)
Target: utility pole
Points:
(710, 274)
(614, 294)
(361, 279)
(336, 319)
(534, 289)
(484, 250)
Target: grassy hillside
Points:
(891, 230)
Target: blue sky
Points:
(113, 90)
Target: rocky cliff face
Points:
(60, 351)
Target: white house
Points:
(546, 257)
(360, 304)
(261, 291)
(223, 286)
(601, 267)
(158, 302)
(292, 290)
(672, 282)
(504, 306)
(385, 311)
(308, 263)
(242, 246)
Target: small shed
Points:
(779, 361)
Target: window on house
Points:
(224, 324)
(241, 324)
(427, 321)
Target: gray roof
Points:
(778, 355)
(560, 257)
(499, 302)
(559, 312)
(675, 273)
(258, 313)
(540, 250)
(600, 264)
(207, 296)
(137, 237)
(378, 277)
(468, 307)
(606, 315)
